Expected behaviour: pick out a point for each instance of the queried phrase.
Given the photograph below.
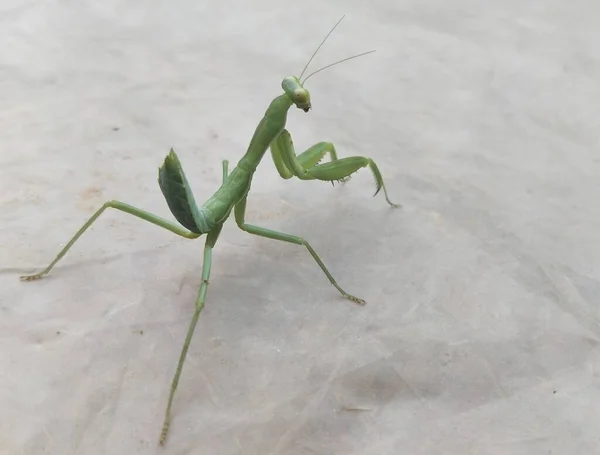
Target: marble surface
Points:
(481, 332)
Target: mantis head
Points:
(294, 87)
(296, 93)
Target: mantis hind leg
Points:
(306, 167)
(123, 207)
(211, 240)
(240, 214)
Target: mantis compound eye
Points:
(301, 99)
(300, 95)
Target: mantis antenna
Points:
(336, 63)
(322, 42)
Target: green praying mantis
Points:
(208, 219)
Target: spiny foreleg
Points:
(305, 166)
(297, 166)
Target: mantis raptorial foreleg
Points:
(306, 160)
(211, 239)
(240, 215)
(123, 207)
(305, 167)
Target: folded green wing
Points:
(177, 192)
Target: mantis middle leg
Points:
(305, 166)
(240, 215)
(225, 167)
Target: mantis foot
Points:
(354, 299)
(163, 433)
(37, 276)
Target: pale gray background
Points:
(481, 333)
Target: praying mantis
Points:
(208, 219)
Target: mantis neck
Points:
(271, 125)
